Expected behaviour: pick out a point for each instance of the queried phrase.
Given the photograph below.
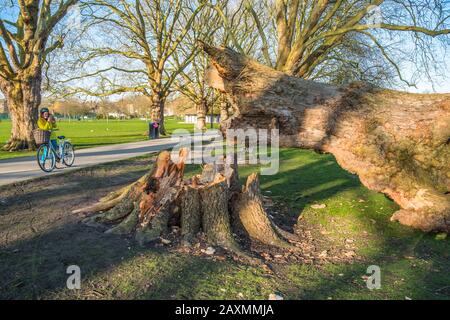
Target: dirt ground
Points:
(40, 236)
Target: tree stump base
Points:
(212, 203)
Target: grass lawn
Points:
(90, 133)
(38, 242)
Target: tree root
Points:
(100, 206)
(18, 145)
(127, 225)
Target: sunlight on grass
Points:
(91, 133)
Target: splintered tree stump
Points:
(215, 215)
(191, 219)
(398, 143)
(248, 209)
(212, 203)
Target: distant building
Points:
(184, 108)
(117, 115)
(179, 107)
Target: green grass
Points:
(91, 133)
(413, 264)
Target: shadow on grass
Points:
(411, 265)
(52, 188)
(32, 268)
(40, 238)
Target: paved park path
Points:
(24, 168)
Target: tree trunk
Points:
(201, 109)
(398, 143)
(207, 203)
(23, 98)
(157, 111)
(223, 109)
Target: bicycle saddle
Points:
(61, 137)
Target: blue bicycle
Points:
(48, 156)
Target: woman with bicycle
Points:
(52, 148)
(47, 122)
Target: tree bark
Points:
(21, 68)
(157, 111)
(223, 109)
(397, 143)
(201, 109)
(23, 98)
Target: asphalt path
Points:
(25, 168)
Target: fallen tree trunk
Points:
(213, 203)
(397, 143)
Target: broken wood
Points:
(206, 203)
(397, 143)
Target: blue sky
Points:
(441, 81)
(441, 84)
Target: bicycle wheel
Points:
(69, 154)
(46, 158)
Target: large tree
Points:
(191, 80)
(131, 48)
(344, 40)
(398, 143)
(24, 46)
(192, 84)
